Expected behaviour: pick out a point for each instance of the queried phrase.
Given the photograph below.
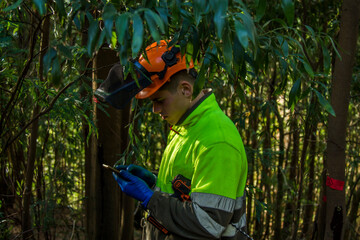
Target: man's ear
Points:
(186, 89)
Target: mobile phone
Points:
(111, 168)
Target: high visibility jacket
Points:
(206, 148)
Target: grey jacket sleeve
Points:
(205, 217)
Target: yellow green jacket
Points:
(206, 148)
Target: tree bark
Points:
(30, 167)
(106, 219)
(334, 165)
(290, 205)
(280, 179)
(309, 128)
(309, 208)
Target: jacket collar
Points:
(207, 93)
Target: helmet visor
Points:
(117, 92)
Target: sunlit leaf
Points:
(113, 39)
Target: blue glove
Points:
(134, 187)
(140, 172)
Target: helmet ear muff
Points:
(169, 57)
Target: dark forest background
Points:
(286, 72)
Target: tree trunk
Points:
(290, 205)
(252, 140)
(351, 226)
(334, 165)
(30, 166)
(105, 217)
(308, 129)
(309, 208)
(280, 179)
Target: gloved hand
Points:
(134, 187)
(140, 172)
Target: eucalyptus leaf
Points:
(13, 6)
(40, 5)
(164, 15)
(219, 7)
(48, 58)
(294, 92)
(121, 25)
(227, 48)
(113, 39)
(307, 67)
(249, 26)
(152, 25)
(108, 16)
(196, 43)
(241, 33)
(260, 9)
(199, 7)
(65, 51)
(93, 36)
(56, 72)
(138, 30)
(157, 20)
(327, 59)
(200, 79)
(289, 10)
(61, 8)
(326, 105)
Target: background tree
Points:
(334, 165)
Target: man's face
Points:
(170, 106)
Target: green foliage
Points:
(264, 60)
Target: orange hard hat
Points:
(161, 63)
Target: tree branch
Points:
(6, 112)
(43, 112)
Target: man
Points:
(204, 147)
